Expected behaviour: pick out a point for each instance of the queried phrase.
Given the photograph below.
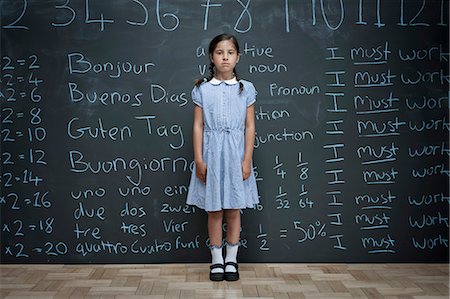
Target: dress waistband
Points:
(224, 130)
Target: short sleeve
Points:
(196, 97)
(251, 95)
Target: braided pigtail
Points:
(241, 86)
(211, 71)
(198, 82)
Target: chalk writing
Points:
(351, 129)
(79, 64)
(276, 90)
(285, 135)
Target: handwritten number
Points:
(48, 225)
(263, 245)
(13, 24)
(33, 64)
(19, 229)
(36, 98)
(35, 118)
(379, 23)
(102, 20)
(158, 16)
(283, 204)
(49, 251)
(7, 133)
(20, 253)
(443, 12)
(11, 97)
(9, 177)
(6, 119)
(325, 18)
(7, 158)
(245, 10)
(14, 206)
(38, 133)
(8, 65)
(286, 12)
(10, 77)
(71, 12)
(361, 14)
(59, 249)
(402, 9)
(145, 12)
(411, 23)
(418, 13)
(38, 160)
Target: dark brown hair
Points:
(212, 47)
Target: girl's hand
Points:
(200, 171)
(246, 169)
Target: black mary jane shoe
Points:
(232, 276)
(217, 276)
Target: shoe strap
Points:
(215, 266)
(232, 264)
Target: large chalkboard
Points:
(352, 116)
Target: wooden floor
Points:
(257, 281)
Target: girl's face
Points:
(224, 57)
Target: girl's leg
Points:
(233, 218)
(215, 220)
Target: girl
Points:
(223, 138)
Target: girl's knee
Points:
(232, 214)
(215, 215)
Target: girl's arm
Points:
(249, 141)
(200, 165)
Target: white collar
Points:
(231, 81)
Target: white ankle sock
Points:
(217, 258)
(231, 256)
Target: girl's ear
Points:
(238, 56)
(210, 58)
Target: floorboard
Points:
(403, 281)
